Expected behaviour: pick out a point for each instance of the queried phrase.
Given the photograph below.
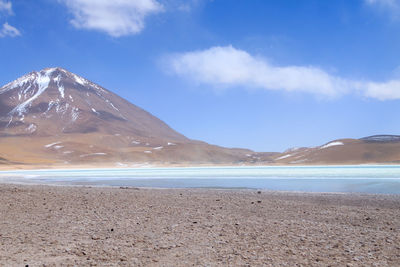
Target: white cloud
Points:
(6, 6)
(8, 30)
(116, 18)
(383, 91)
(226, 67)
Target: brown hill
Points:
(373, 149)
(56, 117)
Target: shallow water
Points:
(360, 179)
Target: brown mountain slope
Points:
(373, 149)
(55, 101)
(56, 117)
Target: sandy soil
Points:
(54, 226)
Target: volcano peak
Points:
(57, 101)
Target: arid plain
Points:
(92, 226)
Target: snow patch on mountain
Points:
(111, 104)
(52, 144)
(60, 86)
(284, 157)
(74, 114)
(335, 143)
(79, 80)
(31, 128)
(20, 82)
(42, 82)
(84, 82)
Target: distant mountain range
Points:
(56, 118)
(373, 149)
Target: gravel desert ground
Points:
(92, 226)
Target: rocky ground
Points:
(83, 226)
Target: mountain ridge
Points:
(74, 99)
(54, 116)
(379, 149)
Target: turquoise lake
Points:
(344, 179)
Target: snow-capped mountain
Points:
(54, 116)
(55, 101)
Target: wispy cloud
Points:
(6, 6)
(8, 30)
(386, 3)
(227, 67)
(116, 18)
(389, 90)
(189, 5)
(391, 6)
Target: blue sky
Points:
(265, 75)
